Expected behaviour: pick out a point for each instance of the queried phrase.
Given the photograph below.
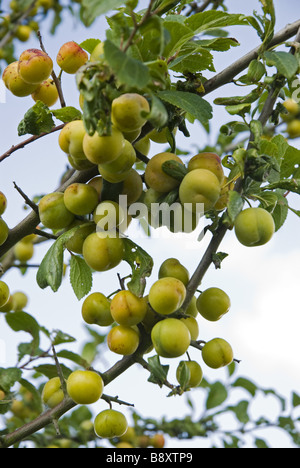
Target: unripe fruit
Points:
(132, 186)
(160, 137)
(35, 66)
(126, 112)
(3, 203)
(167, 295)
(23, 251)
(199, 186)
(8, 307)
(128, 309)
(143, 146)
(293, 128)
(156, 178)
(4, 231)
(254, 227)
(23, 32)
(4, 293)
(195, 370)
(192, 325)
(71, 137)
(108, 216)
(103, 149)
(103, 253)
(80, 199)
(157, 441)
(52, 393)
(123, 340)
(192, 308)
(53, 212)
(210, 161)
(46, 93)
(97, 54)
(213, 303)
(110, 423)
(14, 82)
(217, 353)
(75, 243)
(85, 387)
(71, 57)
(292, 106)
(174, 269)
(170, 338)
(117, 170)
(19, 301)
(96, 310)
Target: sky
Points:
(263, 323)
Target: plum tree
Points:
(146, 83)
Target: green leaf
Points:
(76, 358)
(81, 276)
(295, 400)
(216, 396)
(184, 375)
(89, 44)
(207, 20)
(195, 105)
(22, 321)
(37, 120)
(8, 378)
(92, 9)
(235, 205)
(246, 384)
(241, 411)
(129, 71)
(50, 272)
(58, 337)
(286, 63)
(67, 114)
(261, 444)
(175, 169)
(50, 370)
(141, 264)
(290, 162)
(158, 371)
(158, 116)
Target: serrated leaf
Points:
(286, 63)
(67, 114)
(8, 378)
(158, 371)
(50, 370)
(36, 121)
(216, 396)
(50, 272)
(22, 321)
(235, 204)
(76, 358)
(129, 71)
(195, 105)
(92, 9)
(89, 44)
(81, 276)
(141, 264)
(207, 20)
(241, 411)
(246, 384)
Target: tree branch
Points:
(226, 76)
(28, 141)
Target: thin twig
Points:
(26, 198)
(56, 80)
(29, 141)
